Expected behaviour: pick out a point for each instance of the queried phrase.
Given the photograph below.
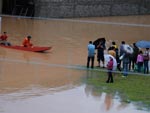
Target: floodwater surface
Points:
(51, 82)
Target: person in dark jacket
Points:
(133, 57)
(100, 53)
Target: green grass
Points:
(134, 88)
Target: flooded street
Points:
(51, 82)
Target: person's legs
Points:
(103, 64)
(133, 64)
(130, 64)
(139, 67)
(103, 61)
(118, 65)
(98, 63)
(108, 76)
(114, 70)
(88, 61)
(125, 65)
(7, 43)
(111, 77)
(92, 62)
(146, 68)
(98, 60)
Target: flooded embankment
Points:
(51, 82)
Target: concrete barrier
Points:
(90, 8)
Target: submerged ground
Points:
(52, 81)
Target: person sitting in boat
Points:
(26, 42)
(3, 39)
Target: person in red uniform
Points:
(26, 42)
(3, 39)
(4, 36)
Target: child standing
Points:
(110, 67)
(140, 61)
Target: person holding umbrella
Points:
(100, 54)
(128, 50)
(100, 46)
(133, 57)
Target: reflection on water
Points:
(62, 100)
(51, 82)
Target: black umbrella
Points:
(102, 40)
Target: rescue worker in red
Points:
(26, 42)
(3, 39)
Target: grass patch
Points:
(134, 88)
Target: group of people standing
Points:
(125, 61)
(138, 60)
(4, 40)
(100, 53)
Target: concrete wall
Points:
(90, 8)
(0, 6)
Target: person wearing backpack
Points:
(146, 60)
(110, 68)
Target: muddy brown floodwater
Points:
(51, 82)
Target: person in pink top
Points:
(140, 61)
